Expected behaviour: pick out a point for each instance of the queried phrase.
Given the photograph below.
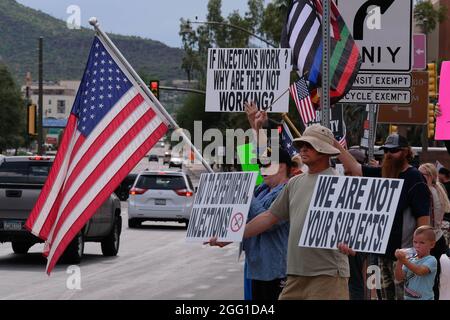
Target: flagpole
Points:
(278, 98)
(325, 97)
(291, 124)
(94, 22)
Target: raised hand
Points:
(251, 109)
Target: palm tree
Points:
(428, 16)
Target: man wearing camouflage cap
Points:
(413, 207)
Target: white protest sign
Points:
(221, 206)
(238, 75)
(358, 211)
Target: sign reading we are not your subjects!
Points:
(358, 211)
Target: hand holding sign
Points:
(345, 249)
(214, 243)
(251, 110)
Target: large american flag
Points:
(112, 125)
(300, 94)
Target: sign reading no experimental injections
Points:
(358, 211)
(238, 75)
(221, 206)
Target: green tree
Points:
(12, 112)
(273, 20)
(232, 32)
(428, 16)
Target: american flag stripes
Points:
(111, 127)
(300, 94)
(343, 141)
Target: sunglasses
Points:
(304, 144)
(393, 150)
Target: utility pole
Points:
(40, 132)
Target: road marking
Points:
(186, 295)
(203, 287)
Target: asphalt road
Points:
(154, 262)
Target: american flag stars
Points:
(97, 96)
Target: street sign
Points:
(414, 113)
(382, 80)
(420, 51)
(377, 96)
(383, 33)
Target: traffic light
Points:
(392, 129)
(31, 120)
(432, 80)
(154, 88)
(431, 125)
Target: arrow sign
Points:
(397, 108)
(382, 30)
(361, 15)
(420, 47)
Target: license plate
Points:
(12, 225)
(160, 202)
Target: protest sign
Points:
(358, 211)
(221, 206)
(238, 75)
(443, 122)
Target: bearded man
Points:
(413, 208)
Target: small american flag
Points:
(300, 94)
(111, 127)
(287, 140)
(343, 142)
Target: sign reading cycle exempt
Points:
(354, 210)
(235, 76)
(377, 96)
(221, 206)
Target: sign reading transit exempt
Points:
(357, 211)
(385, 80)
(377, 96)
(221, 206)
(383, 33)
(236, 76)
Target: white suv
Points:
(160, 196)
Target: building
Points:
(438, 47)
(58, 97)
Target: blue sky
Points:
(154, 19)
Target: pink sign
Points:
(443, 122)
(420, 51)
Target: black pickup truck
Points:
(21, 181)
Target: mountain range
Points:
(66, 50)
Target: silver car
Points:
(160, 196)
(21, 181)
